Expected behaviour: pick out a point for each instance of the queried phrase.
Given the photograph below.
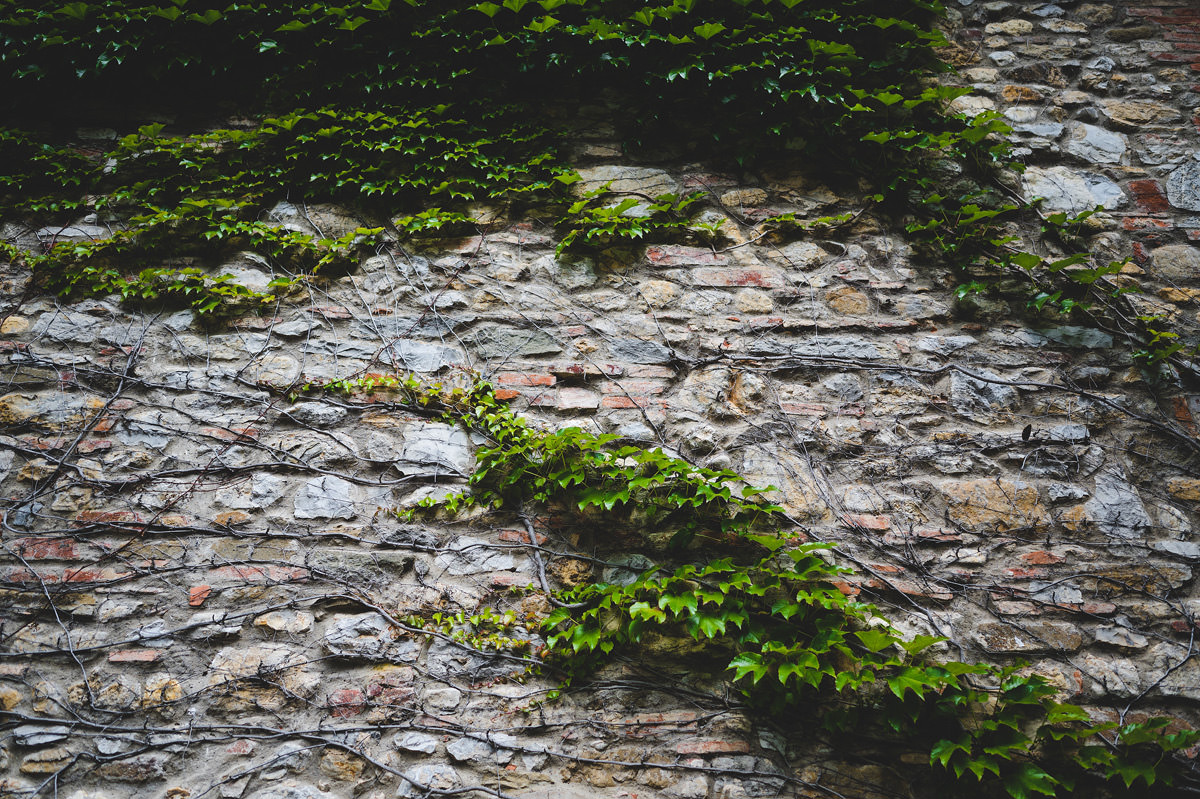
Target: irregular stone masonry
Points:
(202, 596)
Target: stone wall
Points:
(204, 593)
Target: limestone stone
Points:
(467, 555)
(435, 449)
(286, 621)
(421, 742)
(1094, 144)
(325, 497)
(1115, 507)
(1121, 638)
(316, 414)
(236, 662)
(989, 505)
(1183, 185)
(366, 635)
(426, 778)
(424, 357)
(640, 180)
(981, 400)
(501, 342)
(638, 351)
(1071, 190)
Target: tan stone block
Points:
(994, 504)
(1186, 488)
(849, 301)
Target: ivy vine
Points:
(737, 576)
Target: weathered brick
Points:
(730, 277)
(134, 655)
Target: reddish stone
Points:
(197, 595)
(1149, 196)
(1041, 558)
(346, 702)
(803, 408)
(676, 255)
(633, 387)
(519, 537)
(866, 521)
(630, 402)
(107, 517)
(242, 747)
(506, 394)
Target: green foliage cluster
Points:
(774, 614)
(413, 111)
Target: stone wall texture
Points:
(202, 594)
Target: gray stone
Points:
(635, 179)
(421, 357)
(979, 399)
(944, 345)
(503, 342)
(467, 749)
(1122, 638)
(1032, 636)
(452, 662)
(289, 791)
(635, 350)
(325, 497)
(384, 329)
(316, 414)
(1116, 508)
(1094, 144)
(1188, 550)
(426, 779)
(38, 735)
(468, 555)
(849, 347)
(1076, 433)
(212, 624)
(1071, 190)
(259, 492)
(361, 567)
(435, 449)
(626, 569)
(1179, 263)
(1076, 336)
(369, 636)
(416, 742)
(1183, 186)
(569, 272)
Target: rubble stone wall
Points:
(202, 592)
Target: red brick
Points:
(91, 575)
(134, 656)
(866, 521)
(732, 277)
(677, 255)
(45, 548)
(633, 387)
(108, 517)
(724, 747)
(231, 433)
(506, 394)
(631, 402)
(803, 408)
(1041, 558)
(524, 379)
(1019, 573)
(197, 595)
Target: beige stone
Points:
(753, 301)
(994, 504)
(738, 198)
(849, 301)
(1009, 27)
(1187, 488)
(286, 621)
(659, 293)
(341, 765)
(1136, 113)
(9, 697)
(46, 761)
(14, 325)
(161, 689)
(1029, 636)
